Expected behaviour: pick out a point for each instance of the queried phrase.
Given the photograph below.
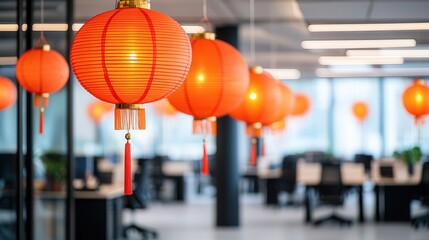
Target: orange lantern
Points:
(97, 109)
(360, 111)
(260, 105)
(416, 100)
(7, 93)
(216, 84)
(130, 56)
(42, 71)
(301, 105)
(278, 126)
(285, 107)
(164, 108)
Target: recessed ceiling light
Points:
(340, 60)
(284, 74)
(346, 44)
(412, 53)
(368, 27)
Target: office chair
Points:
(423, 220)
(139, 199)
(366, 160)
(157, 176)
(331, 192)
(288, 178)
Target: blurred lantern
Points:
(97, 110)
(278, 127)
(131, 56)
(7, 93)
(164, 108)
(42, 71)
(360, 111)
(259, 106)
(416, 100)
(216, 84)
(285, 107)
(301, 104)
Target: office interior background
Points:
(179, 202)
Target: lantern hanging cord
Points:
(42, 16)
(252, 31)
(205, 22)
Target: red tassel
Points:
(41, 120)
(253, 153)
(205, 161)
(128, 186)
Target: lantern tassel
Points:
(205, 161)
(253, 152)
(41, 120)
(128, 186)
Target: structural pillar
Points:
(227, 170)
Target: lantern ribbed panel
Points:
(7, 93)
(131, 55)
(301, 105)
(286, 105)
(262, 99)
(40, 71)
(217, 81)
(360, 110)
(416, 99)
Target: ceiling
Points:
(281, 25)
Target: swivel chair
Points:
(331, 192)
(423, 220)
(139, 199)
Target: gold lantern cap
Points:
(204, 35)
(133, 4)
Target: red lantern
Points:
(128, 57)
(260, 105)
(360, 111)
(42, 71)
(301, 105)
(97, 109)
(416, 100)
(216, 84)
(7, 93)
(164, 108)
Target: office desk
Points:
(309, 174)
(177, 171)
(98, 213)
(393, 196)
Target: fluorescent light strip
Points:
(368, 27)
(284, 74)
(414, 53)
(193, 29)
(347, 44)
(375, 72)
(8, 60)
(8, 27)
(340, 60)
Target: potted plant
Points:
(55, 167)
(410, 157)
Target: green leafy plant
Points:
(55, 164)
(410, 156)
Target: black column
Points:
(29, 197)
(19, 149)
(70, 204)
(227, 171)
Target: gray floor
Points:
(195, 221)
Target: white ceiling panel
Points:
(401, 10)
(335, 11)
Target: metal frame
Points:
(19, 149)
(29, 196)
(70, 204)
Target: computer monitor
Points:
(386, 171)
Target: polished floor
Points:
(195, 221)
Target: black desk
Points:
(393, 202)
(179, 187)
(99, 214)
